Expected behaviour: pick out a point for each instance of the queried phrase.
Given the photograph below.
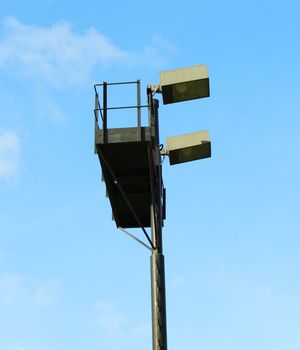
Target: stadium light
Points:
(188, 147)
(132, 169)
(189, 83)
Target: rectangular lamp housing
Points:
(184, 84)
(189, 147)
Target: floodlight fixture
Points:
(189, 83)
(188, 147)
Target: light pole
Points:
(130, 159)
(158, 293)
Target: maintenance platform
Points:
(125, 155)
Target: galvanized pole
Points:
(158, 294)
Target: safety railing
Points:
(103, 109)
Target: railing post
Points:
(139, 122)
(105, 112)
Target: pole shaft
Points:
(159, 321)
(158, 293)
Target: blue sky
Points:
(68, 277)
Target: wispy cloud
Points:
(58, 54)
(48, 292)
(48, 107)
(156, 53)
(55, 52)
(114, 322)
(17, 288)
(9, 154)
(110, 319)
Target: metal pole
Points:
(158, 294)
(105, 112)
(139, 122)
(159, 320)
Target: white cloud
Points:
(156, 52)
(59, 55)
(9, 154)
(55, 53)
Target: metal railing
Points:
(103, 110)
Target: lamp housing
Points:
(184, 84)
(189, 147)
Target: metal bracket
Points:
(154, 88)
(135, 238)
(164, 152)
